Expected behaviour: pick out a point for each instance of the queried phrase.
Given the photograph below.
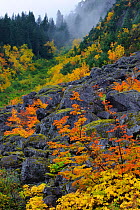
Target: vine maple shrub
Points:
(23, 122)
(105, 178)
(129, 84)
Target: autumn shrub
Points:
(108, 191)
(129, 84)
(105, 178)
(23, 122)
(116, 52)
(34, 197)
(78, 73)
(36, 203)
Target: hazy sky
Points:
(38, 7)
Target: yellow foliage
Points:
(56, 76)
(119, 51)
(97, 57)
(36, 197)
(95, 47)
(16, 60)
(78, 73)
(136, 26)
(36, 203)
(111, 55)
(125, 30)
(76, 42)
(33, 191)
(116, 52)
(21, 58)
(5, 82)
(75, 201)
(109, 16)
(108, 190)
(52, 47)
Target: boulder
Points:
(125, 101)
(33, 170)
(11, 144)
(37, 141)
(10, 162)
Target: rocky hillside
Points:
(31, 156)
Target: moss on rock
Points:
(99, 126)
(63, 110)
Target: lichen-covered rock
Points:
(31, 152)
(36, 146)
(37, 141)
(50, 200)
(51, 194)
(100, 127)
(51, 95)
(126, 101)
(132, 120)
(28, 99)
(11, 143)
(10, 162)
(90, 100)
(33, 170)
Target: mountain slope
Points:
(74, 143)
(115, 36)
(86, 15)
(75, 108)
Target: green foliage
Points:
(10, 187)
(24, 29)
(26, 81)
(111, 30)
(56, 167)
(68, 68)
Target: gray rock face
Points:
(11, 144)
(127, 101)
(10, 162)
(33, 170)
(28, 99)
(36, 141)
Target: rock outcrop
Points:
(32, 156)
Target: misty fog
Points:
(86, 15)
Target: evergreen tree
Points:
(59, 19)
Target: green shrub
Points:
(10, 187)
